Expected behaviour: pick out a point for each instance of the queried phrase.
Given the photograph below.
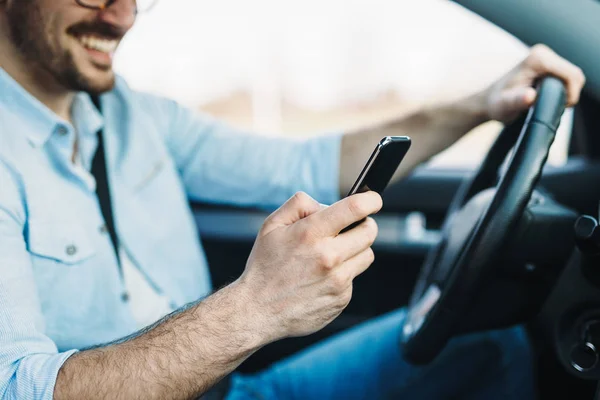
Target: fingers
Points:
(527, 97)
(296, 208)
(331, 220)
(341, 278)
(359, 263)
(543, 61)
(513, 101)
(355, 241)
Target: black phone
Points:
(380, 167)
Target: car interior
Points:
(527, 250)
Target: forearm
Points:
(432, 130)
(179, 358)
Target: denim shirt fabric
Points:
(60, 288)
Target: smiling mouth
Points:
(107, 46)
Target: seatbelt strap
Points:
(103, 188)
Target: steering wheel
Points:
(477, 225)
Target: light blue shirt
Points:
(60, 288)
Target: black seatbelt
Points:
(102, 187)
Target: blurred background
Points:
(309, 67)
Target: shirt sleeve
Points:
(29, 360)
(220, 164)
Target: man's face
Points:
(73, 44)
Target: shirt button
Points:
(62, 130)
(103, 229)
(71, 250)
(125, 297)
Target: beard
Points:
(33, 32)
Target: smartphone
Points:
(380, 168)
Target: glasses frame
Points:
(108, 3)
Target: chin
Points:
(99, 86)
(85, 76)
(94, 83)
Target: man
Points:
(64, 293)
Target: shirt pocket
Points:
(161, 205)
(150, 176)
(64, 243)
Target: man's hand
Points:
(513, 93)
(299, 275)
(297, 280)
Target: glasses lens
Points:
(145, 5)
(142, 5)
(92, 3)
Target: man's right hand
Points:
(299, 275)
(297, 280)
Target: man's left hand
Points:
(514, 92)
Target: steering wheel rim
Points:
(464, 257)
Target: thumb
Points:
(512, 102)
(299, 206)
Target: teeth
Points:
(95, 43)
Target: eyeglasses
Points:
(140, 5)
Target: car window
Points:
(300, 68)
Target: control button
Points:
(71, 250)
(125, 297)
(584, 357)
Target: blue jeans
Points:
(366, 363)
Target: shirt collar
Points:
(87, 118)
(39, 122)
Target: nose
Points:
(120, 14)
